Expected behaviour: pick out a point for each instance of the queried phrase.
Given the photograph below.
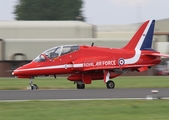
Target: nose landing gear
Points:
(33, 86)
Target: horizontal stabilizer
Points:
(158, 54)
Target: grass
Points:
(86, 110)
(63, 83)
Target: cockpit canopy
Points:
(56, 52)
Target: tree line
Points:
(49, 10)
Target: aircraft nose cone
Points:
(14, 73)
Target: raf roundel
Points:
(121, 61)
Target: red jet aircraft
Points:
(86, 63)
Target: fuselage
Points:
(87, 57)
(87, 63)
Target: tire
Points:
(34, 87)
(80, 86)
(110, 84)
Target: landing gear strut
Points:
(33, 86)
(110, 84)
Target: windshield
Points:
(40, 58)
(69, 49)
(53, 52)
(56, 52)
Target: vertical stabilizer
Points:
(142, 40)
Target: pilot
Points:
(53, 55)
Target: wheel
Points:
(80, 86)
(34, 87)
(110, 84)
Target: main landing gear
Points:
(110, 84)
(80, 85)
(33, 86)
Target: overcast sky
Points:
(104, 12)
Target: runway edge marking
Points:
(165, 98)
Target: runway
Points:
(140, 93)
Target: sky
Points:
(107, 12)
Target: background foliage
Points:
(49, 10)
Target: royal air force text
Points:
(100, 63)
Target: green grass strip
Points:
(86, 110)
(63, 83)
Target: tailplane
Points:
(142, 40)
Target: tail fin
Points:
(142, 40)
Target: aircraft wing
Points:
(93, 66)
(117, 67)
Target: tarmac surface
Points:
(138, 93)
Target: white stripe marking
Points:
(77, 65)
(54, 67)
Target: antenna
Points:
(92, 44)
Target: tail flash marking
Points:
(147, 36)
(141, 40)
